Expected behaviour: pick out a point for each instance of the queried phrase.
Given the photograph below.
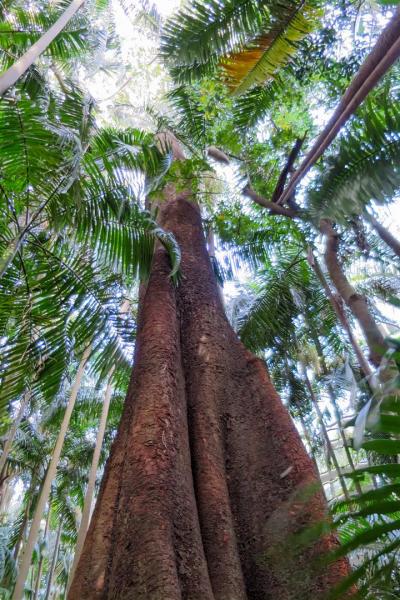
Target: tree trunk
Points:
(384, 234)
(20, 67)
(53, 563)
(338, 414)
(356, 302)
(87, 506)
(308, 439)
(325, 433)
(40, 566)
(362, 361)
(207, 477)
(45, 492)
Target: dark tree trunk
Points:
(207, 477)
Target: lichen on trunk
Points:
(208, 478)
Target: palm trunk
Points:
(384, 234)
(336, 409)
(12, 432)
(208, 474)
(87, 506)
(20, 67)
(45, 492)
(356, 302)
(362, 361)
(53, 563)
(325, 433)
(40, 566)
(307, 437)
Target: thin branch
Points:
(287, 169)
(385, 52)
(274, 208)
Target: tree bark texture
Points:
(207, 478)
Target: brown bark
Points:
(384, 234)
(208, 477)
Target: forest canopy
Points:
(277, 123)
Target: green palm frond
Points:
(262, 59)
(371, 521)
(197, 36)
(272, 314)
(365, 166)
(20, 27)
(252, 105)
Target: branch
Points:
(385, 52)
(275, 209)
(280, 186)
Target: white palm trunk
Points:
(92, 477)
(13, 430)
(27, 551)
(22, 64)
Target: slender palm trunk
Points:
(325, 433)
(53, 563)
(336, 409)
(357, 303)
(362, 361)
(87, 506)
(207, 476)
(40, 566)
(45, 492)
(13, 431)
(384, 234)
(307, 437)
(22, 64)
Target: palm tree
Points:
(46, 488)
(19, 68)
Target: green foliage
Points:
(364, 165)
(370, 521)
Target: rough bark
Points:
(207, 479)
(356, 302)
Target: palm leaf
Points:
(265, 56)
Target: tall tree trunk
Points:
(87, 506)
(325, 433)
(40, 566)
(207, 476)
(362, 361)
(356, 302)
(384, 234)
(45, 492)
(20, 67)
(308, 439)
(53, 563)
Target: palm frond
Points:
(267, 54)
(197, 36)
(365, 166)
